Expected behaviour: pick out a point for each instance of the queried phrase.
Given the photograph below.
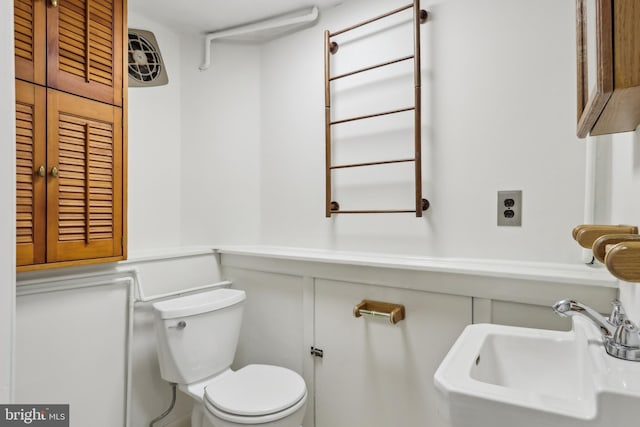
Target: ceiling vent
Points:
(146, 67)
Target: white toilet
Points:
(197, 337)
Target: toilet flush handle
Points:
(179, 326)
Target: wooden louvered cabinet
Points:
(29, 39)
(69, 178)
(74, 46)
(70, 132)
(85, 188)
(84, 44)
(30, 173)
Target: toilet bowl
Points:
(197, 337)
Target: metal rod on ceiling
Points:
(307, 16)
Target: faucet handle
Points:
(617, 316)
(627, 335)
(625, 342)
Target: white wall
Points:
(246, 138)
(155, 199)
(619, 171)
(7, 195)
(499, 114)
(194, 145)
(624, 207)
(221, 137)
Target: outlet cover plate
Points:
(510, 208)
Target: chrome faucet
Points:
(570, 308)
(621, 338)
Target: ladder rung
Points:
(373, 67)
(384, 162)
(368, 116)
(369, 21)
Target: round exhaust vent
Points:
(146, 67)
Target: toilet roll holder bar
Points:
(379, 309)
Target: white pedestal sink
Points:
(502, 376)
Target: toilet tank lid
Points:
(198, 303)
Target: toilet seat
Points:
(255, 394)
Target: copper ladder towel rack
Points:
(332, 207)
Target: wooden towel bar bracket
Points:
(587, 234)
(623, 261)
(616, 246)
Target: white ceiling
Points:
(201, 16)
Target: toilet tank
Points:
(197, 335)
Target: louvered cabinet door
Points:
(30, 185)
(84, 38)
(29, 36)
(85, 190)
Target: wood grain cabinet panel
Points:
(30, 165)
(608, 53)
(85, 194)
(29, 37)
(84, 44)
(70, 132)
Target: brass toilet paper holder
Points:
(393, 312)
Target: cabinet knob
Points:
(54, 172)
(41, 171)
(54, 3)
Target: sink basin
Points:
(499, 376)
(529, 362)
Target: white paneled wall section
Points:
(92, 317)
(372, 372)
(294, 300)
(7, 195)
(73, 349)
